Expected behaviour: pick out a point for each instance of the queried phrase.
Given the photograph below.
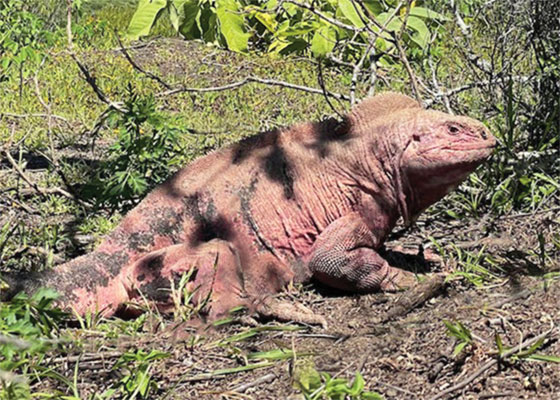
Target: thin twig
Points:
(253, 79)
(90, 79)
(472, 85)
(263, 379)
(324, 89)
(409, 70)
(138, 67)
(490, 363)
(33, 115)
(22, 174)
(42, 191)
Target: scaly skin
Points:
(313, 201)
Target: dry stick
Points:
(489, 364)
(53, 159)
(472, 85)
(97, 90)
(42, 191)
(263, 379)
(323, 87)
(37, 115)
(22, 174)
(358, 68)
(69, 24)
(139, 68)
(254, 79)
(404, 59)
(414, 297)
(398, 389)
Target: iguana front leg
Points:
(344, 257)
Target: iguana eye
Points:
(453, 129)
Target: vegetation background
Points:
(102, 100)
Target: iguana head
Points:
(424, 153)
(440, 151)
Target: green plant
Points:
(27, 327)
(293, 27)
(529, 354)
(137, 369)
(316, 385)
(460, 332)
(145, 152)
(22, 37)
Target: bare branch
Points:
(253, 79)
(97, 90)
(322, 84)
(34, 115)
(472, 85)
(138, 67)
(409, 70)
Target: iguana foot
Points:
(289, 311)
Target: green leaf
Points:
(358, 385)
(267, 20)
(349, 11)
(426, 13)
(323, 41)
(144, 17)
(177, 13)
(189, 13)
(392, 26)
(499, 344)
(275, 354)
(459, 348)
(374, 6)
(232, 25)
(372, 396)
(544, 357)
(422, 34)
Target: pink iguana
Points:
(312, 201)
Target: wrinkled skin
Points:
(313, 201)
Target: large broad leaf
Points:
(323, 41)
(232, 25)
(422, 34)
(177, 12)
(144, 17)
(349, 11)
(374, 6)
(394, 24)
(185, 20)
(426, 13)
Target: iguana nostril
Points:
(483, 134)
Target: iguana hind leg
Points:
(216, 284)
(344, 257)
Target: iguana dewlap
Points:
(312, 201)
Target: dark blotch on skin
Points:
(139, 240)
(209, 225)
(244, 148)
(155, 264)
(277, 168)
(158, 290)
(329, 131)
